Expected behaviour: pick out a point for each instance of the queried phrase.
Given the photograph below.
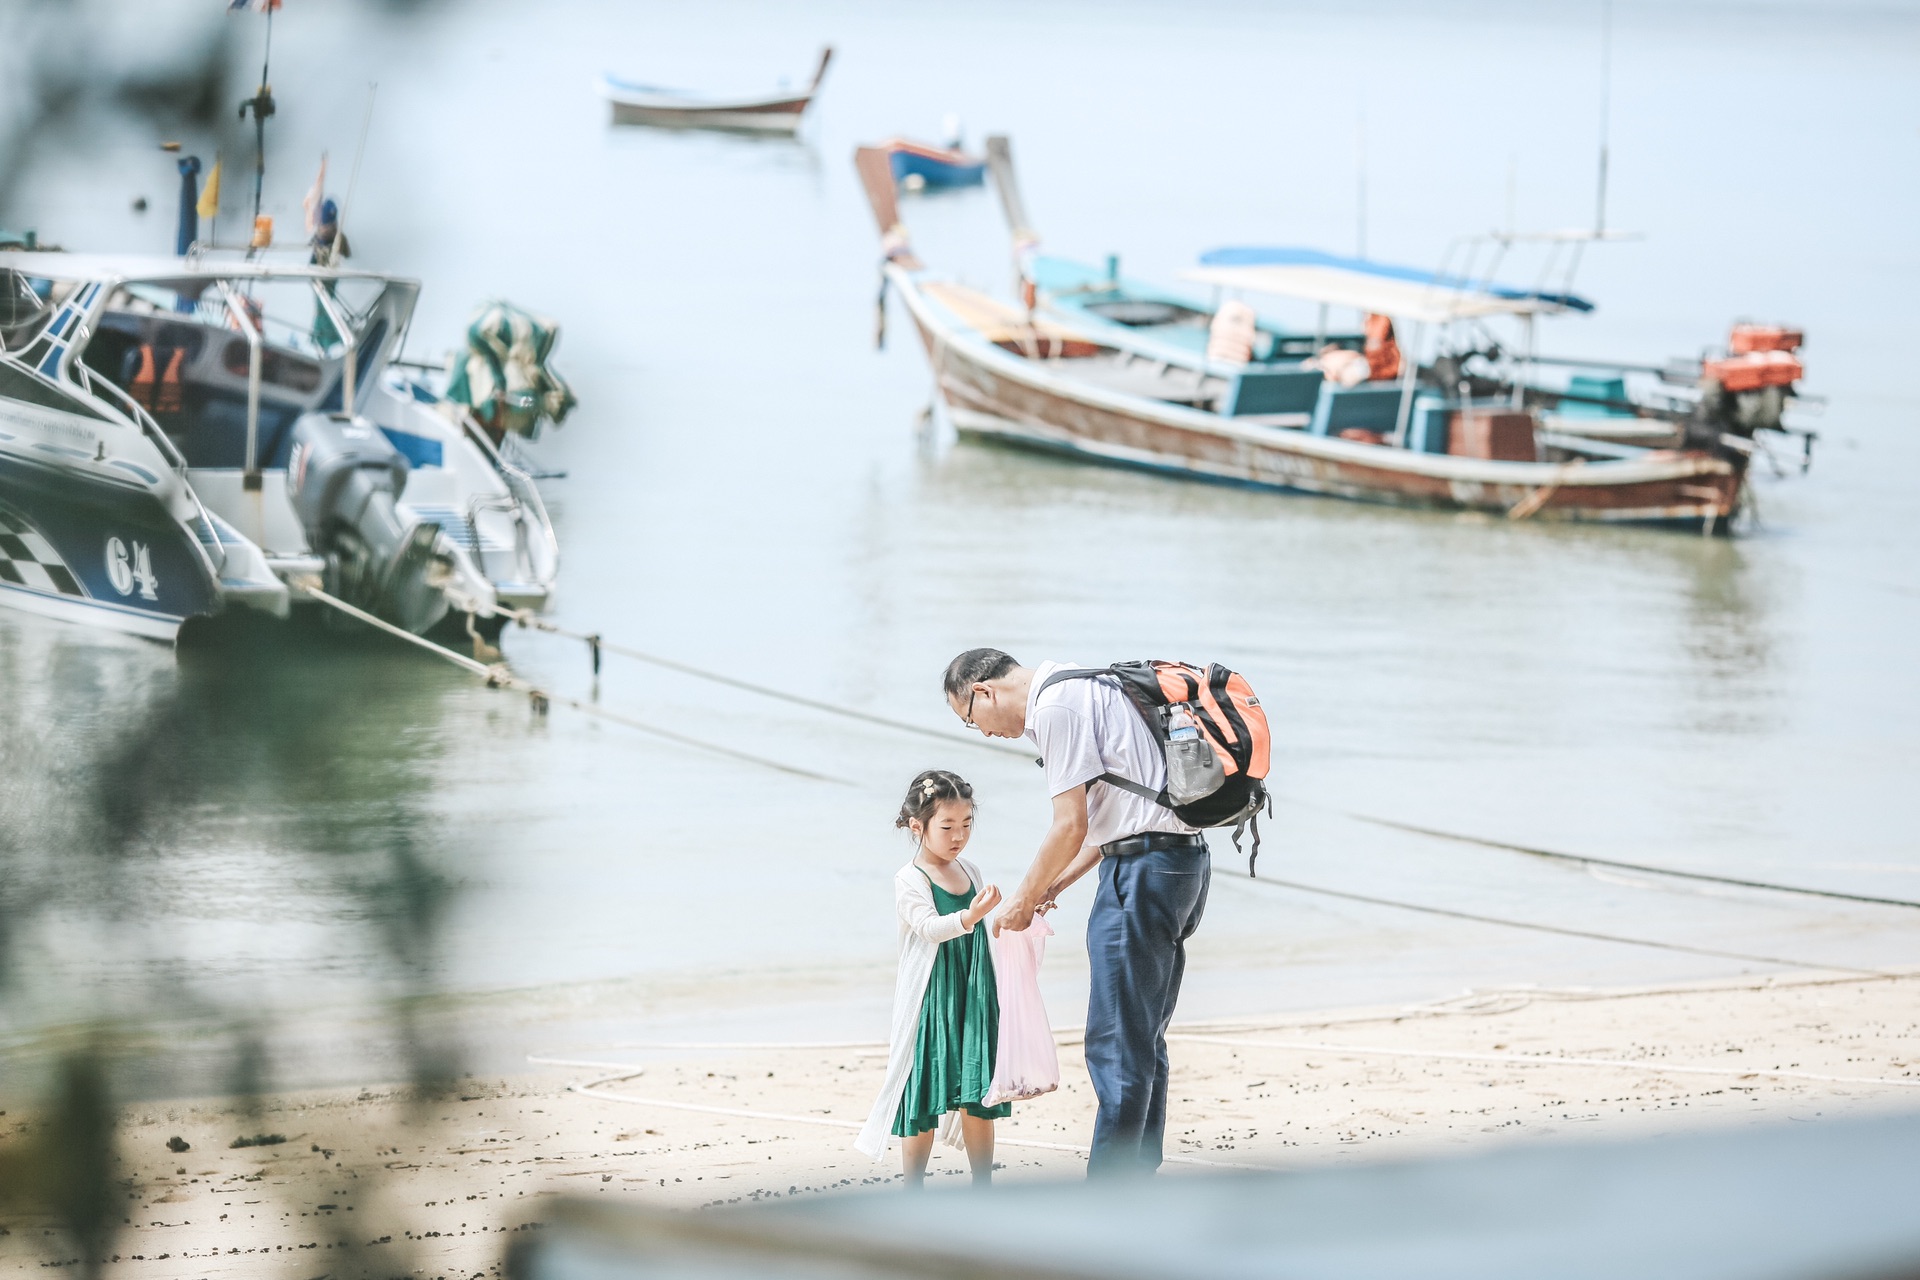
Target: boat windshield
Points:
(25, 307)
(185, 351)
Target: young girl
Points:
(946, 1015)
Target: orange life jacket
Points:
(167, 398)
(141, 388)
(1383, 353)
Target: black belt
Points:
(1148, 841)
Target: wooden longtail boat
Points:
(1102, 391)
(777, 112)
(918, 164)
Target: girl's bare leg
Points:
(978, 1135)
(914, 1154)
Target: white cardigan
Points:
(922, 930)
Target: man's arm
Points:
(1058, 849)
(1087, 859)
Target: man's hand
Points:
(987, 899)
(1062, 842)
(1017, 916)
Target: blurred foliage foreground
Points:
(120, 768)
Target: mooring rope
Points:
(1538, 927)
(1540, 1060)
(499, 676)
(597, 643)
(1588, 860)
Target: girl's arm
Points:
(1083, 862)
(918, 913)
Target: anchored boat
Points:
(920, 165)
(1104, 369)
(776, 112)
(184, 437)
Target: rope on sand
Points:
(1540, 1060)
(498, 676)
(1562, 930)
(588, 1089)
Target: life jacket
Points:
(167, 398)
(1383, 353)
(1215, 777)
(140, 386)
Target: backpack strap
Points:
(1111, 779)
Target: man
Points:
(1154, 872)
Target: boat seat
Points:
(1371, 406)
(1285, 389)
(1584, 391)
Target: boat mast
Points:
(1360, 184)
(1606, 78)
(261, 104)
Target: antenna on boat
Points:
(1606, 79)
(353, 178)
(1360, 181)
(261, 104)
(1513, 190)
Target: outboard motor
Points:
(344, 478)
(1747, 390)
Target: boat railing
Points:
(151, 429)
(245, 321)
(523, 499)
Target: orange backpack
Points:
(1213, 732)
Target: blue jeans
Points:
(1147, 906)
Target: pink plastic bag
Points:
(1025, 1065)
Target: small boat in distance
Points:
(776, 112)
(918, 165)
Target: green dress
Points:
(953, 1050)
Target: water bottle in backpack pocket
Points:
(1194, 771)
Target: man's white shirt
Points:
(1088, 727)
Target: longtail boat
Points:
(918, 165)
(1103, 370)
(776, 112)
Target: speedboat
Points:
(182, 438)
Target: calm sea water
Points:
(750, 487)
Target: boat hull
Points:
(993, 394)
(780, 116)
(934, 170)
(96, 552)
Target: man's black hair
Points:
(976, 666)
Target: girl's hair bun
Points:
(928, 791)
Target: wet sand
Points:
(380, 1181)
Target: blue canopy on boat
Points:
(1405, 292)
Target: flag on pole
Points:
(209, 206)
(252, 6)
(312, 200)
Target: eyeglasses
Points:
(967, 719)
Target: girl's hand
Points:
(989, 899)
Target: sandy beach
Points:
(382, 1181)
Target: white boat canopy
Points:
(1401, 292)
(53, 265)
